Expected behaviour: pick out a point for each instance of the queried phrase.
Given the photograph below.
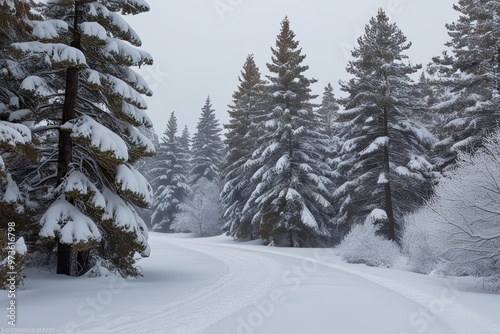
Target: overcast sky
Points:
(199, 46)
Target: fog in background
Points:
(199, 46)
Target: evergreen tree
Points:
(292, 182)
(16, 148)
(170, 178)
(206, 147)
(328, 111)
(468, 79)
(90, 105)
(185, 143)
(242, 139)
(383, 156)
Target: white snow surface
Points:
(14, 134)
(65, 221)
(12, 193)
(56, 52)
(48, 29)
(131, 179)
(36, 86)
(102, 138)
(21, 248)
(375, 145)
(93, 29)
(219, 286)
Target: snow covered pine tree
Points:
(87, 129)
(243, 137)
(207, 147)
(170, 178)
(383, 156)
(16, 149)
(292, 182)
(468, 80)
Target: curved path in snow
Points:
(250, 277)
(253, 272)
(458, 317)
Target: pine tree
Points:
(292, 182)
(170, 182)
(185, 142)
(90, 104)
(206, 147)
(383, 156)
(328, 111)
(467, 79)
(242, 139)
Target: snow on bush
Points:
(363, 245)
(458, 231)
(419, 243)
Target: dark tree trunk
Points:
(388, 193)
(68, 266)
(66, 255)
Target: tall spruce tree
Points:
(86, 125)
(328, 111)
(467, 79)
(170, 178)
(242, 139)
(206, 147)
(185, 142)
(383, 155)
(292, 181)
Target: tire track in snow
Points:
(250, 277)
(458, 317)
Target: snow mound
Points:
(69, 224)
(363, 245)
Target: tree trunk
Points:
(388, 192)
(70, 255)
(66, 258)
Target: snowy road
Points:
(217, 286)
(250, 276)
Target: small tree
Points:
(329, 111)
(206, 146)
(201, 213)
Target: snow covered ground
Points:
(218, 286)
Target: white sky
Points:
(199, 48)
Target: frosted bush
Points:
(202, 212)
(460, 226)
(363, 245)
(419, 242)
